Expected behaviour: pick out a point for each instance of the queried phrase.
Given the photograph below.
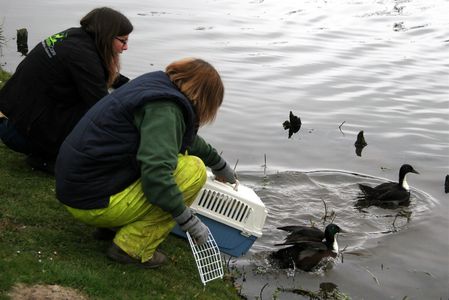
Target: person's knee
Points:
(197, 163)
(191, 163)
(191, 169)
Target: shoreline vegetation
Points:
(4, 76)
(47, 254)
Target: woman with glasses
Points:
(134, 162)
(58, 81)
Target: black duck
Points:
(388, 194)
(293, 124)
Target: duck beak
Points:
(414, 171)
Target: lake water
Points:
(342, 67)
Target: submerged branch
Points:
(261, 290)
(374, 277)
(339, 127)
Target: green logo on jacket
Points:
(50, 42)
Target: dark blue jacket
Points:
(98, 158)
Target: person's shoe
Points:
(115, 253)
(103, 234)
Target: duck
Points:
(307, 247)
(293, 124)
(388, 194)
(360, 143)
(301, 233)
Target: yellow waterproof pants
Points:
(143, 226)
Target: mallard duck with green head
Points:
(307, 247)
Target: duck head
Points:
(405, 169)
(330, 234)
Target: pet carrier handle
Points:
(234, 186)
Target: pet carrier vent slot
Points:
(224, 205)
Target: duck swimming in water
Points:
(293, 124)
(300, 233)
(308, 246)
(360, 143)
(388, 194)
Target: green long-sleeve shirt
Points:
(161, 125)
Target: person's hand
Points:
(187, 221)
(223, 172)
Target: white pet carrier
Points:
(235, 215)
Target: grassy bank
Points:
(3, 76)
(42, 244)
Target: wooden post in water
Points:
(22, 41)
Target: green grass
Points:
(2, 43)
(42, 244)
(4, 76)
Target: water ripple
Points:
(296, 198)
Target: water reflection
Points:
(328, 290)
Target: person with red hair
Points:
(134, 163)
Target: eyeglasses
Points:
(124, 42)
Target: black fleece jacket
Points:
(52, 88)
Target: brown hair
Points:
(200, 83)
(105, 24)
